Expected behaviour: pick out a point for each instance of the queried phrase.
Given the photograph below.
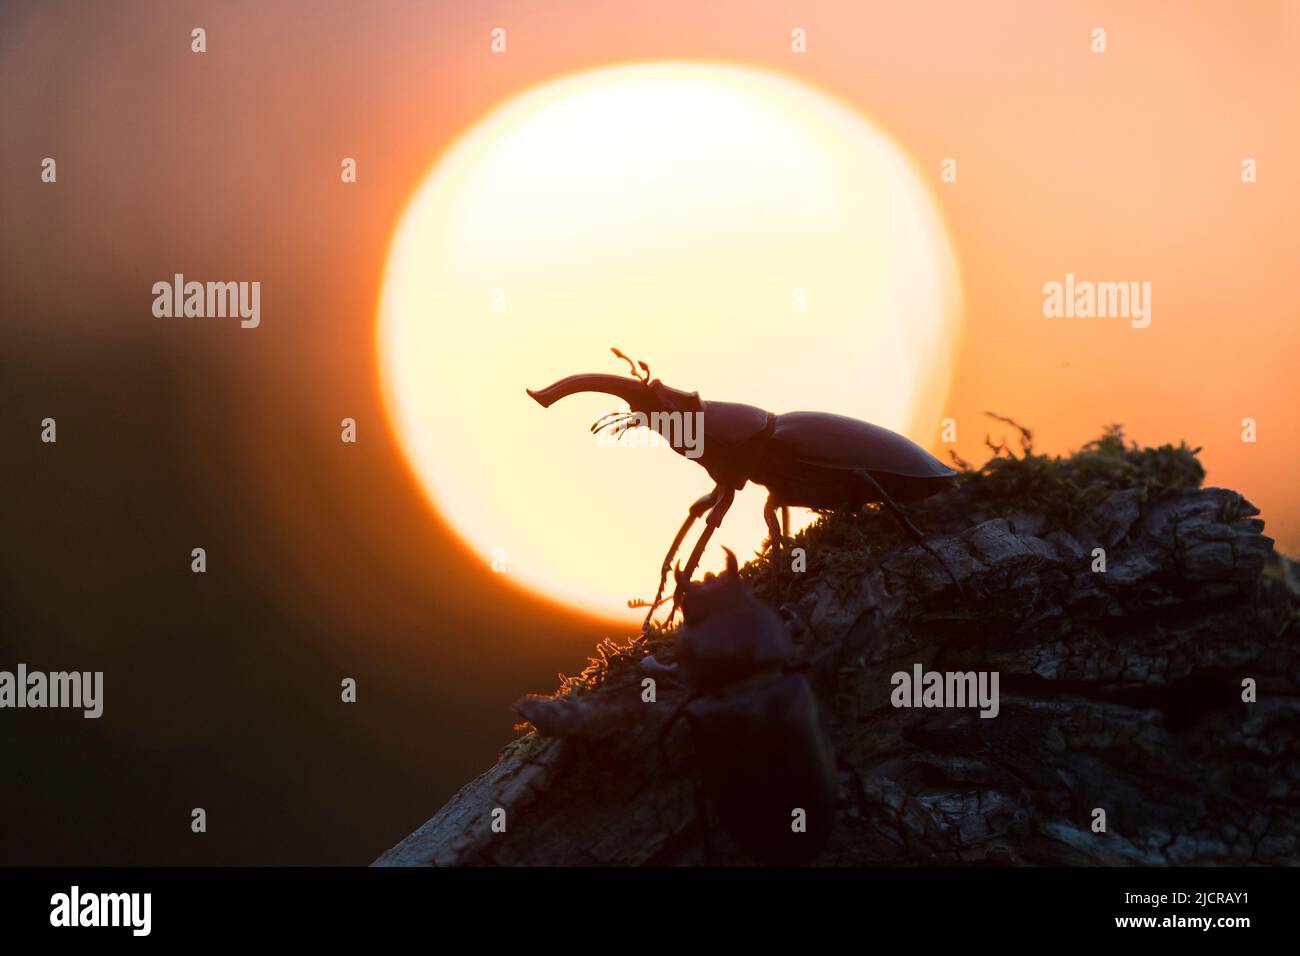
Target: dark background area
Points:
(222, 690)
(325, 560)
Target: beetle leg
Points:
(773, 528)
(844, 765)
(652, 666)
(775, 542)
(675, 715)
(785, 533)
(719, 511)
(696, 510)
(901, 517)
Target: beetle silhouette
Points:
(767, 764)
(805, 459)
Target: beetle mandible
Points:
(806, 459)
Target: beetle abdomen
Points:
(819, 486)
(768, 768)
(836, 441)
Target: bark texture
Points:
(1120, 690)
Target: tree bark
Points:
(1120, 691)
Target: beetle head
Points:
(730, 638)
(644, 396)
(700, 599)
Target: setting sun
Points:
(746, 235)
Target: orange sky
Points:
(325, 559)
(1117, 166)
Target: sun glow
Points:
(746, 235)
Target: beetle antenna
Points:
(633, 366)
(630, 363)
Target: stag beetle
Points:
(807, 459)
(754, 722)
